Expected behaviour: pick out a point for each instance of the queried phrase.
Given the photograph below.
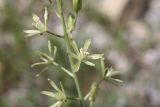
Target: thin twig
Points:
(57, 35)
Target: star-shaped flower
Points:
(46, 59)
(37, 23)
(59, 94)
(83, 55)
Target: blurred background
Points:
(126, 31)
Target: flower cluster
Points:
(37, 23)
(83, 55)
(47, 59)
(59, 94)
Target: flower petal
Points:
(57, 104)
(75, 47)
(54, 85)
(77, 66)
(48, 93)
(95, 56)
(49, 47)
(46, 17)
(89, 63)
(38, 24)
(87, 44)
(115, 81)
(31, 32)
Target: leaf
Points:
(48, 93)
(89, 63)
(86, 45)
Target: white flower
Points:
(83, 56)
(59, 95)
(37, 23)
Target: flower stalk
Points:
(76, 57)
(68, 41)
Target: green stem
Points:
(99, 82)
(70, 98)
(91, 104)
(64, 69)
(55, 34)
(68, 40)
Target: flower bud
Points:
(71, 22)
(59, 6)
(77, 5)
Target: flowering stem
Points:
(60, 36)
(68, 41)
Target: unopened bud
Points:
(77, 5)
(59, 6)
(71, 22)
